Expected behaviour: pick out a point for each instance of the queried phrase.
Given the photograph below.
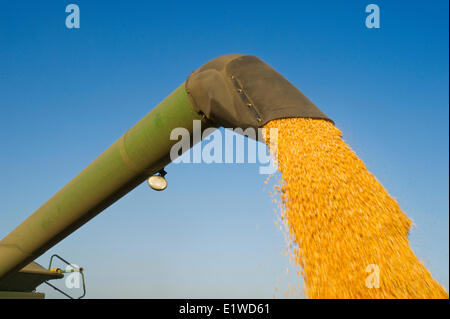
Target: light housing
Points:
(157, 182)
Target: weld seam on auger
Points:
(125, 157)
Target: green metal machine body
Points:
(230, 90)
(139, 153)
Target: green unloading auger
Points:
(230, 91)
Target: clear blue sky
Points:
(66, 95)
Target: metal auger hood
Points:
(243, 91)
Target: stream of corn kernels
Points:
(349, 236)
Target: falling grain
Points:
(349, 236)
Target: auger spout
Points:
(231, 91)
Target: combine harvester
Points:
(233, 91)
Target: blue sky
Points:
(67, 94)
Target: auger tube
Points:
(138, 154)
(231, 91)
